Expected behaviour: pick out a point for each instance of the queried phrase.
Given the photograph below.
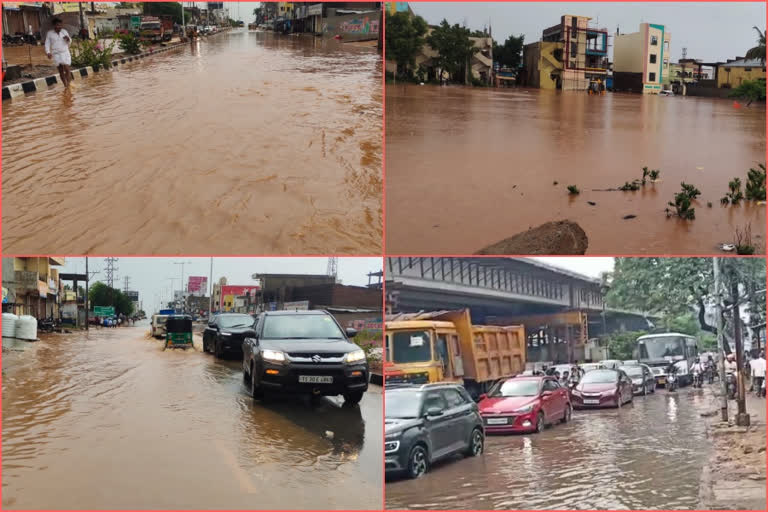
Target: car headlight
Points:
(226, 333)
(273, 355)
(576, 392)
(354, 357)
(391, 446)
(394, 435)
(527, 408)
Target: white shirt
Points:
(55, 43)
(758, 367)
(730, 367)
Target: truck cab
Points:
(444, 346)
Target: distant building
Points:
(732, 73)
(31, 286)
(569, 56)
(641, 59)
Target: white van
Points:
(158, 325)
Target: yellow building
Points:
(31, 285)
(285, 9)
(569, 56)
(732, 74)
(641, 59)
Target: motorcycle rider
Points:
(672, 377)
(730, 374)
(711, 368)
(698, 371)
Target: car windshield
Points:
(161, 320)
(411, 347)
(402, 404)
(632, 371)
(236, 321)
(659, 348)
(516, 388)
(599, 377)
(301, 327)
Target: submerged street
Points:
(513, 152)
(105, 418)
(242, 142)
(646, 455)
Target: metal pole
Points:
(720, 347)
(183, 22)
(210, 298)
(87, 278)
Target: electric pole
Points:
(210, 298)
(87, 310)
(333, 267)
(127, 281)
(742, 418)
(110, 271)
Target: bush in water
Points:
(91, 53)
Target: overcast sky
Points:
(710, 31)
(149, 276)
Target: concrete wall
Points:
(540, 64)
(707, 92)
(734, 76)
(353, 27)
(628, 53)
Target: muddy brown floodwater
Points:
(467, 167)
(648, 455)
(109, 421)
(243, 142)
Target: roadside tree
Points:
(454, 49)
(404, 40)
(102, 295)
(758, 52)
(510, 54)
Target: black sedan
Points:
(225, 333)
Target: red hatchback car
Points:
(602, 388)
(524, 404)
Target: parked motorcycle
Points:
(47, 325)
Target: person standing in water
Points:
(57, 43)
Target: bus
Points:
(659, 350)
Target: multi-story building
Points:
(732, 73)
(31, 286)
(569, 56)
(641, 59)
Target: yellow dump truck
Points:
(445, 346)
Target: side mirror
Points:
(546, 393)
(434, 411)
(351, 333)
(483, 396)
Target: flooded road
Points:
(243, 142)
(647, 455)
(110, 421)
(469, 167)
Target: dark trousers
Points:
(757, 384)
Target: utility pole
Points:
(720, 340)
(82, 19)
(110, 274)
(87, 278)
(183, 22)
(742, 418)
(127, 281)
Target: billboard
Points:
(133, 295)
(212, 6)
(229, 292)
(197, 285)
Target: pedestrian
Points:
(57, 43)
(758, 374)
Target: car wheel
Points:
(540, 422)
(476, 443)
(418, 463)
(217, 350)
(353, 398)
(567, 414)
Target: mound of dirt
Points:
(558, 237)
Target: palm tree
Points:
(758, 52)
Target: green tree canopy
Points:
(164, 9)
(102, 295)
(454, 48)
(676, 287)
(404, 39)
(510, 54)
(749, 91)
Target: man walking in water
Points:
(57, 48)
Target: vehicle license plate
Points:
(315, 379)
(496, 421)
(591, 401)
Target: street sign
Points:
(135, 21)
(104, 310)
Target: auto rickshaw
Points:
(178, 332)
